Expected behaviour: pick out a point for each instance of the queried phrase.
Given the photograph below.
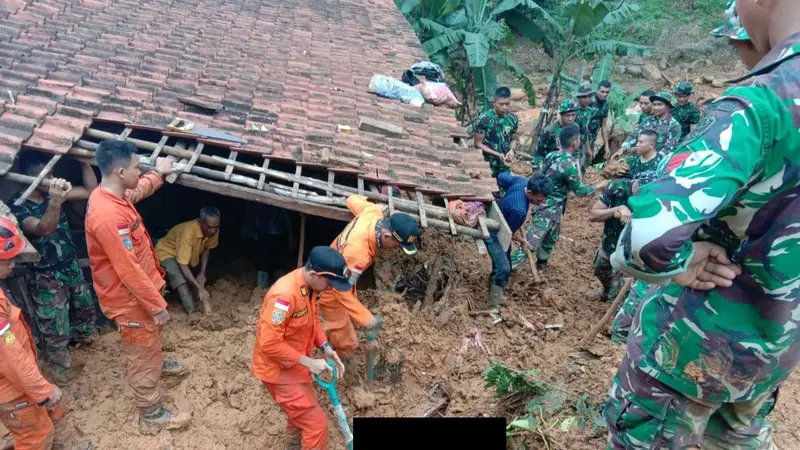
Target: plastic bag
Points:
(390, 88)
(437, 94)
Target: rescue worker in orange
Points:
(288, 329)
(128, 278)
(359, 243)
(27, 400)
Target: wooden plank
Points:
(391, 200)
(482, 250)
(297, 171)
(302, 240)
(360, 186)
(125, 133)
(331, 176)
(263, 176)
(182, 163)
(503, 231)
(373, 125)
(450, 217)
(197, 150)
(423, 217)
(159, 147)
(47, 168)
(229, 167)
(484, 230)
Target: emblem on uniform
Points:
(278, 316)
(128, 243)
(303, 291)
(9, 338)
(300, 313)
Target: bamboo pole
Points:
(302, 242)
(607, 316)
(38, 180)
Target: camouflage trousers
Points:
(63, 302)
(643, 413)
(542, 235)
(621, 325)
(611, 279)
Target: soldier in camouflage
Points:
(599, 121)
(548, 139)
(495, 132)
(645, 158)
(646, 106)
(583, 116)
(561, 167)
(612, 209)
(711, 346)
(61, 295)
(662, 122)
(685, 112)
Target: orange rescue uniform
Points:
(22, 386)
(289, 328)
(358, 243)
(128, 280)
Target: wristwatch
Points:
(326, 345)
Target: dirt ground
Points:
(428, 362)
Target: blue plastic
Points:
(341, 418)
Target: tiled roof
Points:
(299, 68)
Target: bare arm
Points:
(600, 212)
(89, 184)
(204, 261)
(46, 226)
(189, 276)
(604, 135)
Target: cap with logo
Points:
(330, 264)
(663, 96)
(584, 90)
(683, 88)
(567, 106)
(11, 242)
(732, 28)
(405, 229)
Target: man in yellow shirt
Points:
(187, 245)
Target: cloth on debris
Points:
(437, 94)
(395, 191)
(466, 213)
(431, 72)
(390, 88)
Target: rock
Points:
(718, 83)
(518, 94)
(634, 70)
(694, 64)
(708, 79)
(697, 81)
(620, 69)
(632, 60)
(651, 72)
(709, 63)
(662, 63)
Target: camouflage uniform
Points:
(704, 365)
(621, 325)
(599, 113)
(636, 167)
(688, 114)
(497, 134)
(616, 194)
(542, 234)
(548, 138)
(583, 118)
(668, 130)
(62, 296)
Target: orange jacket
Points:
(288, 328)
(127, 275)
(358, 243)
(19, 374)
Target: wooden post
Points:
(391, 199)
(297, 171)
(302, 240)
(450, 216)
(38, 180)
(360, 186)
(607, 316)
(423, 218)
(331, 176)
(174, 175)
(229, 168)
(262, 176)
(125, 133)
(159, 146)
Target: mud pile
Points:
(431, 352)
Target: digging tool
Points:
(607, 316)
(341, 418)
(536, 278)
(186, 126)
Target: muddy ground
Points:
(428, 362)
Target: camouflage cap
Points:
(665, 97)
(567, 106)
(584, 89)
(732, 29)
(683, 88)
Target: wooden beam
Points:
(297, 171)
(229, 167)
(159, 146)
(503, 230)
(197, 150)
(182, 163)
(35, 183)
(125, 133)
(263, 176)
(450, 217)
(361, 186)
(423, 217)
(331, 176)
(391, 200)
(302, 240)
(482, 223)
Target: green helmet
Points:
(567, 106)
(683, 88)
(665, 97)
(584, 89)
(732, 29)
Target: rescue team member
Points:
(359, 243)
(185, 246)
(25, 395)
(62, 296)
(708, 350)
(127, 275)
(288, 329)
(496, 132)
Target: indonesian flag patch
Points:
(123, 229)
(282, 305)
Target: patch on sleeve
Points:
(123, 229)
(278, 317)
(358, 270)
(127, 241)
(282, 304)
(8, 336)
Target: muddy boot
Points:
(293, 441)
(263, 279)
(541, 267)
(187, 298)
(156, 418)
(351, 370)
(172, 369)
(62, 375)
(495, 297)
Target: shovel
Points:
(341, 418)
(372, 349)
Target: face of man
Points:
(318, 283)
(755, 18)
(660, 109)
(748, 52)
(645, 144)
(645, 105)
(535, 199)
(501, 105)
(130, 174)
(602, 93)
(583, 102)
(210, 226)
(682, 99)
(568, 118)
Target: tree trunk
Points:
(548, 105)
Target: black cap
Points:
(404, 228)
(330, 264)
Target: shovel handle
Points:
(329, 385)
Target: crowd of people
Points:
(703, 221)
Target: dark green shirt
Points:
(497, 133)
(616, 194)
(686, 115)
(55, 249)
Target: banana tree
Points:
(583, 19)
(466, 37)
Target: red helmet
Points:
(11, 243)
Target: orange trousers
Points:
(305, 418)
(340, 330)
(30, 425)
(144, 359)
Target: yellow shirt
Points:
(185, 242)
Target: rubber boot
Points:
(172, 369)
(496, 296)
(263, 279)
(293, 441)
(62, 375)
(186, 298)
(541, 266)
(158, 418)
(351, 369)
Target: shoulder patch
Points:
(128, 242)
(278, 317)
(282, 304)
(303, 291)
(9, 338)
(123, 229)
(700, 129)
